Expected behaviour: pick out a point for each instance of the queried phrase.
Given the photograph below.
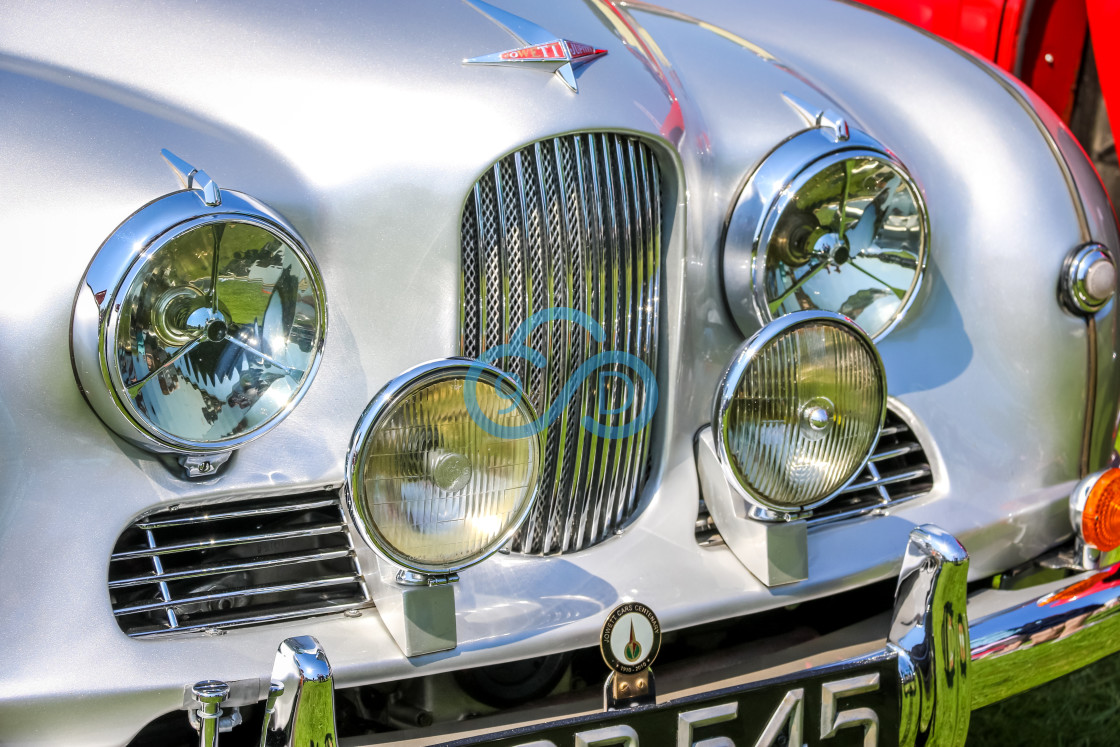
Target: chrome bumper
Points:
(947, 664)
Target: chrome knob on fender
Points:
(1089, 278)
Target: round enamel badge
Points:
(631, 637)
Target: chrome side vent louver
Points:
(898, 471)
(573, 222)
(231, 564)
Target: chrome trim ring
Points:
(763, 200)
(119, 262)
(725, 392)
(375, 413)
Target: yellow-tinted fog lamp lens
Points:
(799, 410)
(444, 466)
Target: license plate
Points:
(851, 703)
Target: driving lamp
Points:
(199, 324)
(443, 466)
(799, 410)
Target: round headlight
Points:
(443, 466)
(199, 327)
(799, 410)
(828, 226)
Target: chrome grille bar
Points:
(227, 541)
(221, 570)
(255, 591)
(571, 222)
(235, 622)
(888, 479)
(235, 514)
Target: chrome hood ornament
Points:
(542, 49)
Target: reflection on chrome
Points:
(217, 331)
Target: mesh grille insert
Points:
(233, 564)
(573, 222)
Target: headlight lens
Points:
(198, 327)
(850, 237)
(800, 409)
(431, 489)
(829, 225)
(216, 332)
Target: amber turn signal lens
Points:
(1100, 520)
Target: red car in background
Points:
(1066, 50)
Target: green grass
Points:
(1081, 709)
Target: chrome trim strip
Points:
(246, 539)
(237, 514)
(273, 562)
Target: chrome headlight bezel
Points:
(764, 198)
(113, 270)
(736, 369)
(375, 413)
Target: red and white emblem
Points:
(542, 49)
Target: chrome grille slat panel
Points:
(577, 220)
(192, 568)
(897, 472)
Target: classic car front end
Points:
(454, 327)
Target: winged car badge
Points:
(543, 49)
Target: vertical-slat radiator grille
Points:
(571, 223)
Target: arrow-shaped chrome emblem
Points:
(542, 49)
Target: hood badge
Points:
(542, 49)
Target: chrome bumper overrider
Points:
(946, 666)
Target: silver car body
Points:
(361, 126)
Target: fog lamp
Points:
(1095, 510)
(799, 410)
(432, 485)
